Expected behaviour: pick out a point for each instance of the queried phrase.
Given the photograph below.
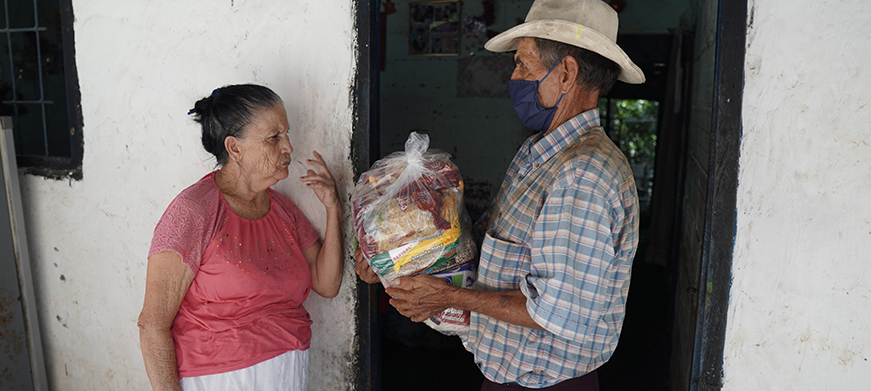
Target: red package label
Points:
(454, 316)
(402, 204)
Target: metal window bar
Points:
(15, 102)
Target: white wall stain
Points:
(141, 66)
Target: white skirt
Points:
(287, 372)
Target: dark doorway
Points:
(655, 151)
(642, 120)
(654, 323)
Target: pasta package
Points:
(408, 213)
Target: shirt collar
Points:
(563, 136)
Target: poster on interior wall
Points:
(434, 28)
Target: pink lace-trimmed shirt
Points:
(244, 305)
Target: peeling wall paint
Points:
(141, 66)
(798, 316)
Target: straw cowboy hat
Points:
(589, 24)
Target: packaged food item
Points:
(453, 321)
(409, 219)
(408, 213)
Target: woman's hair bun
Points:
(227, 111)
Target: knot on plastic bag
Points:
(416, 145)
(415, 148)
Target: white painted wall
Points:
(142, 64)
(799, 314)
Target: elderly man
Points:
(560, 237)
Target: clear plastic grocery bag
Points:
(409, 216)
(408, 213)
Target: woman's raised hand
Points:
(321, 181)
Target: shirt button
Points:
(535, 165)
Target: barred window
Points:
(39, 86)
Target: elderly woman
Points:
(232, 260)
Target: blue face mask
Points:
(524, 97)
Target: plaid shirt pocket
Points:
(508, 264)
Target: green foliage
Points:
(633, 127)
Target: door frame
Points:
(23, 317)
(721, 215)
(365, 146)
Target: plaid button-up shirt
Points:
(564, 230)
